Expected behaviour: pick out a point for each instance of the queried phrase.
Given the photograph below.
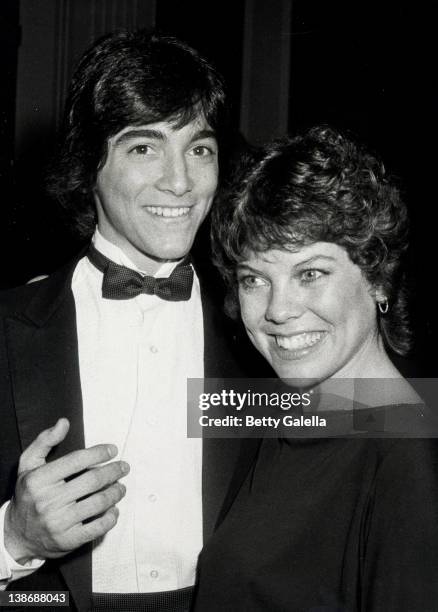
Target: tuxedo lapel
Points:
(246, 459)
(218, 462)
(218, 455)
(219, 361)
(45, 373)
(226, 462)
(43, 356)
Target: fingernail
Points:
(122, 488)
(124, 467)
(54, 426)
(112, 450)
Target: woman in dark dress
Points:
(311, 240)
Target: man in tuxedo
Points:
(102, 493)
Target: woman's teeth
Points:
(298, 341)
(167, 211)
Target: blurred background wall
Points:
(365, 66)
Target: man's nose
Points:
(285, 303)
(175, 177)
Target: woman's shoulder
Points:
(397, 421)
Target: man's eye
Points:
(311, 275)
(202, 151)
(141, 150)
(251, 282)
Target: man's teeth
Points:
(299, 341)
(166, 211)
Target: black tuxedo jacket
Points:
(39, 382)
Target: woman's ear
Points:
(378, 294)
(381, 300)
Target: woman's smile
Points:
(298, 345)
(310, 311)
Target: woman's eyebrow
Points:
(304, 262)
(313, 258)
(245, 266)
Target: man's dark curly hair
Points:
(319, 186)
(126, 78)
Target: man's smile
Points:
(168, 211)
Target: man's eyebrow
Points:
(139, 133)
(201, 134)
(158, 135)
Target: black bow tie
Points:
(120, 283)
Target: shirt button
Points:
(153, 349)
(152, 420)
(153, 574)
(152, 498)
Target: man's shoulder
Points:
(18, 297)
(47, 287)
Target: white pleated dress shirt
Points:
(135, 357)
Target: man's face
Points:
(155, 189)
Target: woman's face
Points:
(310, 312)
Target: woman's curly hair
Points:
(319, 186)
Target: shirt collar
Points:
(118, 256)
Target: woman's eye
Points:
(251, 282)
(311, 275)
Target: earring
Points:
(383, 305)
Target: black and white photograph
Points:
(218, 381)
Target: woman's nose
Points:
(285, 303)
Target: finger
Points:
(97, 528)
(92, 481)
(99, 502)
(79, 460)
(35, 454)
